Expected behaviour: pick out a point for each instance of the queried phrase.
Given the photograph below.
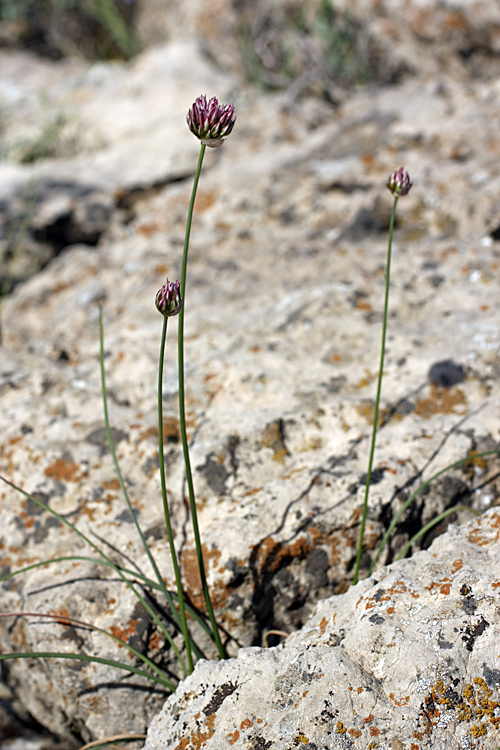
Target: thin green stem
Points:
(166, 511)
(414, 494)
(111, 445)
(182, 418)
(377, 398)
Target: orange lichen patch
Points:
(374, 732)
(147, 229)
(233, 737)
(385, 595)
(62, 469)
(63, 614)
(457, 565)
(171, 431)
(366, 411)
(355, 732)
(205, 199)
(124, 633)
(401, 701)
(495, 584)
(322, 625)
(476, 537)
(246, 724)
(440, 401)
(271, 554)
(273, 438)
(340, 728)
(199, 737)
(219, 593)
(86, 511)
(444, 586)
(155, 642)
(111, 484)
(27, 520)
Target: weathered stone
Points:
(407, 658)
(283, 322)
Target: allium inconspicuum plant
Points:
(399, 184)
(210, 122)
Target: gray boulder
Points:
(407, 658)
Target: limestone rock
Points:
(283, 321)
(407, 658)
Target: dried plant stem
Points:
(182, 418)
(377, 398)
(166, 512)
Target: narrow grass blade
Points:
(84, 657)
(402, 552)
(406, 505)
(112, 565)
(160, 675)
(143, 580)
(110, 740)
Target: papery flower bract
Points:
(399, 182)
(168, 299)
(210, 121)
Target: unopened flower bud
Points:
(399, 182)
(168, 299)
(210, 121)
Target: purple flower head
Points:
(168, 299)
(210, 121)
(399, 182)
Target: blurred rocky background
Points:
(283, 316)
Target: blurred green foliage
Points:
(95, 29)
(310, 45)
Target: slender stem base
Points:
(182, 420)
(377, 398)
(166, 512)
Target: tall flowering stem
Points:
(169, 302)
(398, 184)
(182, 418)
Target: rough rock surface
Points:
(283, 321)
(407, 658)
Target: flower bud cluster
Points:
(399, 182)
(168, 299)
(210, 121)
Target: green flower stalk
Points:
(168, 302)
(210, 122)
(398, 184)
